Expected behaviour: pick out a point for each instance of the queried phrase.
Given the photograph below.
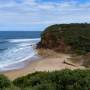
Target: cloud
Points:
(40, 13)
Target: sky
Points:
(36, 15)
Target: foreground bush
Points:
(58, 80)
(4, 82)
(12, 87)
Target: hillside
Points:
(69, 38)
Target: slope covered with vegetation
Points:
(57, 80)
(70, 38)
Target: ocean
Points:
(16, 47)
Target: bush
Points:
(4, 82)
(48, 86)
(58, 80)
(12, 87)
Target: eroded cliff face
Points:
(53, 39)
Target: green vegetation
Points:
(57, 80)
(70, 38)
(4, 82)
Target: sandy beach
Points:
(50, 62)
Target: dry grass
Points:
(86, 62)
(83, 60)
(77, 60)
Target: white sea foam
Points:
(19, 53)
(23, 40)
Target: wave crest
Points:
(22, 50)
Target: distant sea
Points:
(16, 47)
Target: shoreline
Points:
(47, 63)
(22, 64)
(27, 69)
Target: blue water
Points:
(16, 47)
(19, 34)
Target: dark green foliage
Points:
(58, 80)
(4, 82)
(46, 86)
(67, 37)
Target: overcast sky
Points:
(35, 15)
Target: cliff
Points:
(70, 38)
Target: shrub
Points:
(4, 82)
(58, 80)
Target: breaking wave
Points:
(18, 50)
